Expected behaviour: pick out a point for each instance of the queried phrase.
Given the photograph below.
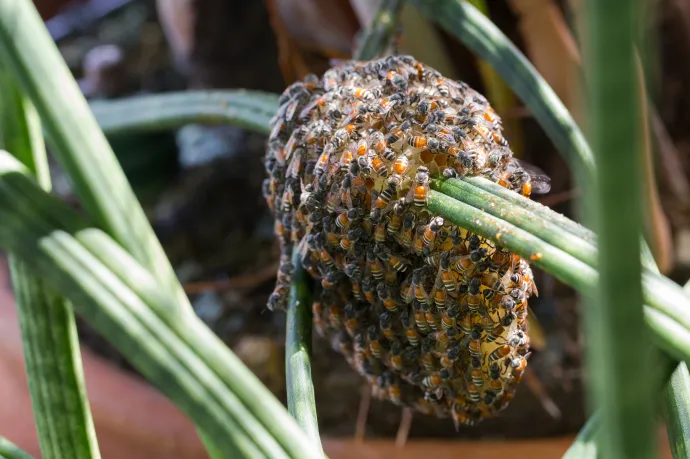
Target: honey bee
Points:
(405, 235)
(399, 263)
(406, 293)
(368, 290)
(420, 321)
(438, 293)
(432, 381)
(385, 295)
(396, 220)
(363, 94)
(417, 288)
(449, 317)
(472, 299)
(374, 264)
(410, 330)
(426, 355)
(417, 141)
(474, 347)
(397, 133)
(499, 353)
(430, 318)
(374, 343)
(401, 164)
(330, 279)
(362, 147)
(432, 230)
(380, 232)
(419, 193)
(450, 356)
(385, 198)
(388, 154)
(418, 240)
(345, 161)
(379, 166)
(386, 323)
(396, 356)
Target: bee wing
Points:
(541, 183)
(308, 108)
(446, 136)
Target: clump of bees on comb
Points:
(432, 315)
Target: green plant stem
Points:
(300, 389)
(380, 32)
(124, 302)
(9, 450)
(478, 33)
(677, 411)
(548, 231)
(49, 338)
(77, 142)
(668, 310)
(247, 109)
(621, 384)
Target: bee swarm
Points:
(433, 316)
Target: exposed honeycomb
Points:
(433, 316)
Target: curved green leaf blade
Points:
(76, 139)
(251, 110)
(48, 331)
(126, 304)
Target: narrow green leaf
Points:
(677, 411)
(380, 32)
(247, 109)
(124, 302)
(51, 346)
(478, 33)
(77, 141)
(9, 450)
(300, 389)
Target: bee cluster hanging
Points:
(432, 315)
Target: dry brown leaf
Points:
(551, 48)
(321, 24)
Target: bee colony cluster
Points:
(433, 316)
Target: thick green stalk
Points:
(51, 346)
(300, 389)
(247, 109)
(9, 450)
(76, 140)
(621, 384)
(126, 304)
(381, 30)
